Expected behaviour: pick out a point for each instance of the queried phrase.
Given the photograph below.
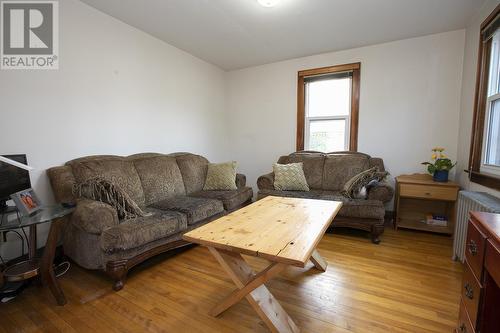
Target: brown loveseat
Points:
(167, 186)
(326, 175)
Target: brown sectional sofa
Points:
(170, 187)
(326, 175)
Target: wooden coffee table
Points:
(284, 231)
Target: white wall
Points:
(409, 103)
(118, 91)
(467, 98)
(121, 91)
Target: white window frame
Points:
(493, 82)
(308, 120)
(489, 168)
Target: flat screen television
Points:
(12, 179)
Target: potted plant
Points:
(440, 166)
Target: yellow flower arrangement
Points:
(441, 162)
(437, 153)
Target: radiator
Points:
(470, 201)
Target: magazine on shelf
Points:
(436, 220)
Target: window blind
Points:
(331, 76)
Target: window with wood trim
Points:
(484, 160)
(328, 108)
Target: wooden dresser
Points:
(480, 301)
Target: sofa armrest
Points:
(266, 182)
(94, 216)
(381, 192)
(62, 181)
(241, 180)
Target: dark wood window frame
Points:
(354, 116)
(480, 107)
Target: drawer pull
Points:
(463, 328)
(427, 193)
(469, 292)
(472, 247)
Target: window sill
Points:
(485, 180)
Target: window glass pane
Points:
(494, 74)
(328, 98)
(327, 135)
(493, 135)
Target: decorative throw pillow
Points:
(357, 187)
(102, 190)
(290, 177)
(221, 176)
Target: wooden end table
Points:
(284, 231)
(34, 266)
(418, 195)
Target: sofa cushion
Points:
(356, 208)
(116, 169)
(369, 209)
(194, 171)
(139, 231)
(196, 209)
(160, 177)
(288, 194)
(313, 167)
(221, 176)
(339, 168)
(290, 177)
(230, 199)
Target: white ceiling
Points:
(235, 34)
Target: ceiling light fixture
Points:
(268, 3)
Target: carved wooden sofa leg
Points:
(117, 270)
(377, 230)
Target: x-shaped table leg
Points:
(318, 261)
(251, 286)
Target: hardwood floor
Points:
(408, 283)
